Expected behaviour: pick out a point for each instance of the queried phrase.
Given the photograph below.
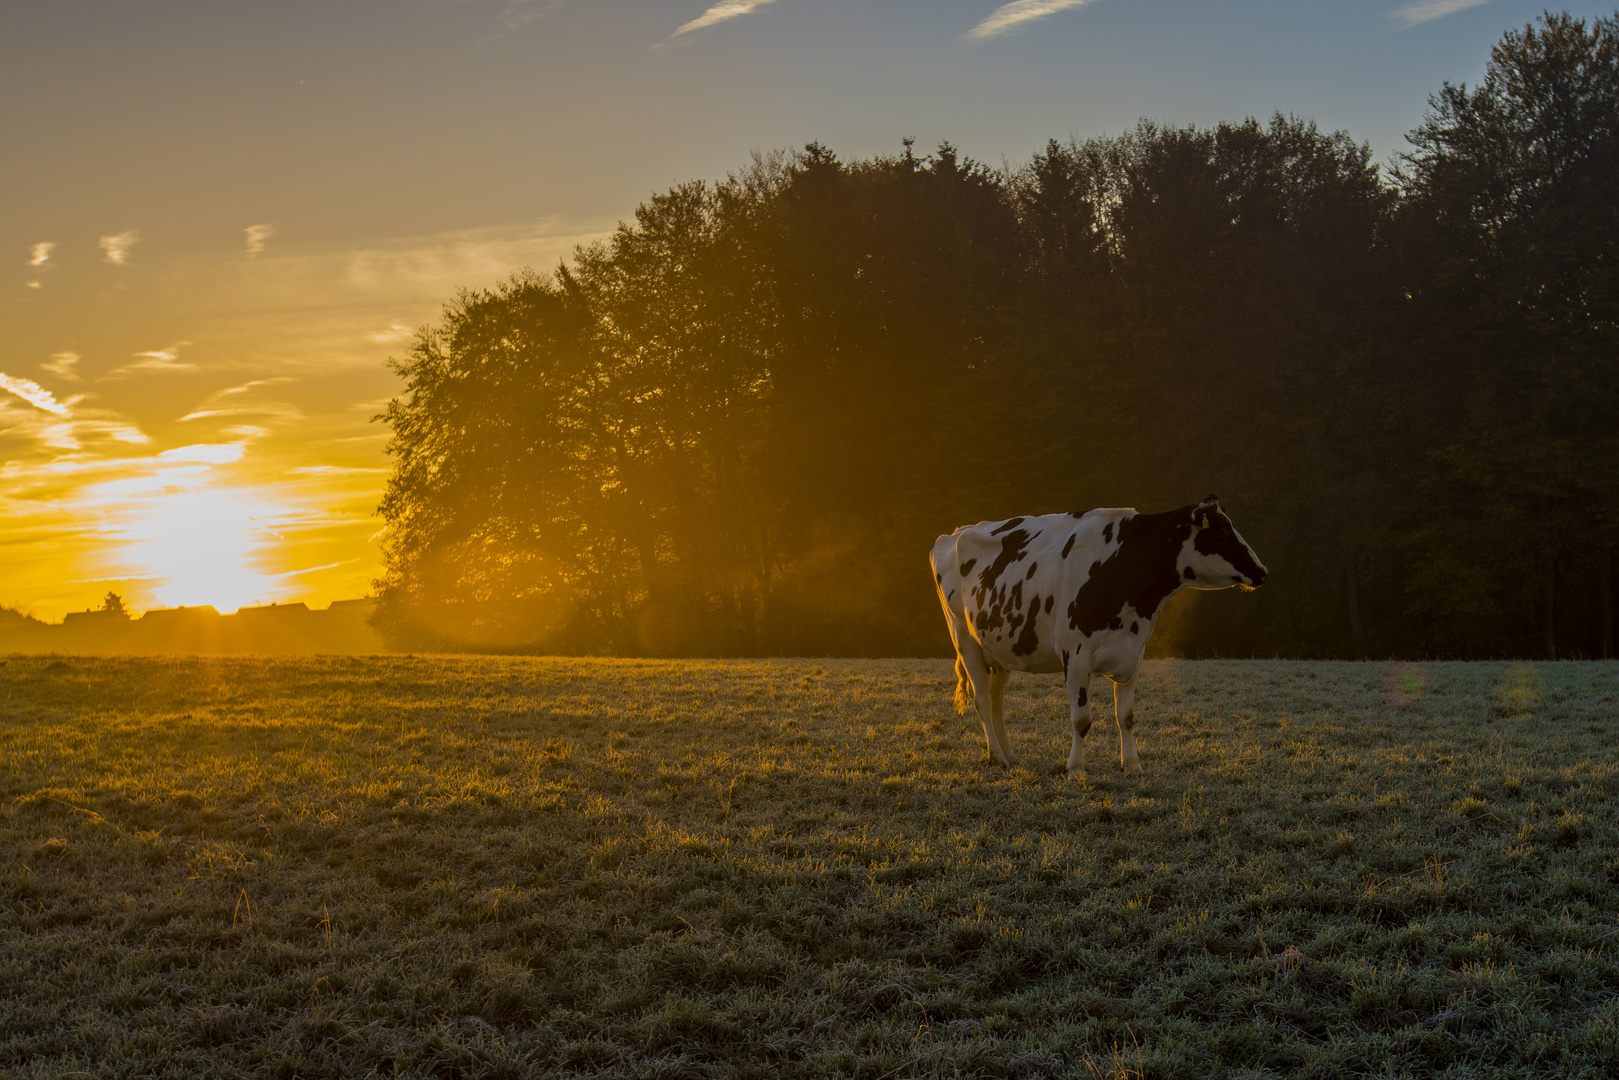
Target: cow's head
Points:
(1216, 556)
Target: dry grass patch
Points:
(514, 867)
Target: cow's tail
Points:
(963, 696)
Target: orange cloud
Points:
(117, 246)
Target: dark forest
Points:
(735, 427)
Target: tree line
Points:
(736, 426)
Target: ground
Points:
(464, 866)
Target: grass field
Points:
(518, 867)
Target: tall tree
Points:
(500, 476)
(889, 378)
(1241, 316)
(1512, 212)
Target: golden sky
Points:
(199, 430)
(221, 218)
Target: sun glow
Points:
(202, 547)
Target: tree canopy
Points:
(736, 426)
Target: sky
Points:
(221, 218)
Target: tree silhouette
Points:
(1512, 206)
(734, 426)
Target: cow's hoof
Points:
(1077, 775)
(1132, 770)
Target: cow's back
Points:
(1004, 581)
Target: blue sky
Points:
(345, 120)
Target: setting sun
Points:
(207, 547)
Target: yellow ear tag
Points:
(1205, 521)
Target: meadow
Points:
(474, 866)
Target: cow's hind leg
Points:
(973, 660)
(1124, 708)
(1079, 716)
(997, 703)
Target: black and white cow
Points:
(1076, 593)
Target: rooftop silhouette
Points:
(273, 628)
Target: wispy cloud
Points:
(1015, 14)
(55, 431)
(205, 453)
(720, 12)
(118, 244)
(33, 393)
(241, 401)
(519, 13)
(335, 470)
(39, 257)
(248, 431)
(155, 360)
(64, 365)
(396, 332)
(1428, 10)
(256, 236)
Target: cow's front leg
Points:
(1124, 709)
(1079, 716)
(997, 703)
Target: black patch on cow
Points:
(1032, 568)
(993, 610)
(1014, 523)
(1107, 533)
(1191, 575)
(1028, 641)
(938, 578)
(1084, 694)
(951, 595)
(966, 567)
(1141, 572)
(1078, 513)
(1066, 548)
(1013, 621)
(1049, 599)
(1064, 657)
(1221, 539)
(1135, 628)
(1013, 547)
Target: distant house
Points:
(270, 628)
(96, 631)
(277, 612)
(87, 618)
(181, 629)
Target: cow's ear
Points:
(1210, 500)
